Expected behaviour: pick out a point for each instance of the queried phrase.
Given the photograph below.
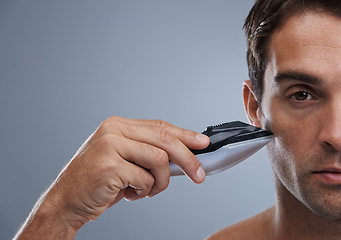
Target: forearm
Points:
(122, 158)
(46, 222)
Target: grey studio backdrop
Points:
(65, 66)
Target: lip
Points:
(329, 175)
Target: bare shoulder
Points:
(256, 227)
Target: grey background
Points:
(65, 66)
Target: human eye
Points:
(301, 96)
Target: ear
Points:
(251, 105)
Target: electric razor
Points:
(230, 144)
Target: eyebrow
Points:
(298, 76)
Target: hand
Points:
(122, 158)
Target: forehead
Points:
(309, 43)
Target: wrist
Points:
(48, 219)
(55, 212)
(55, 206)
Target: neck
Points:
(293, 220)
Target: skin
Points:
(301, 105)
(123, 158)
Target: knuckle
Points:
(161, 123)
(163, 128)
(149, 181)
(160, 158)
(114, 119)
(165, 135)
(163, 186)
(110, 122)
(107, 141)
(109, 170)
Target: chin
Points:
(323, 201)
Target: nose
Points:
(330, 132)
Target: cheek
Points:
(282, 157)
(292, 136)
(281, 154)
(290, 148)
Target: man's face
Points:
(302, 106)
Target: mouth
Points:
(330, 175)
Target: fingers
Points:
(190, 138)
(125, 158)
(173, 140)
(148, 157)
(136, 182)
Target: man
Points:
(299, 99)
(294, 50)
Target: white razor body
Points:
(231, 143)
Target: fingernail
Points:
(201, 173)
(138, 191)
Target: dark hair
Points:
(267, 16)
